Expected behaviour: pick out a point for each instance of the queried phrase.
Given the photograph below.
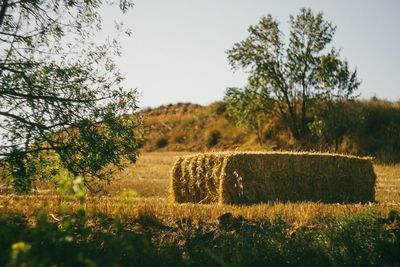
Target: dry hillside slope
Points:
(191, 127)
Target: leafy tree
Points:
(297, 75)
(335, 120)
(249, 107)
(61, 99)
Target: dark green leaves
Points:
(62, 105)
(249, 107)
(299, 74)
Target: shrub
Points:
(180, 139)
(162, 142)
(363, 240)
(74, 242)
(218, 107)
(213, 138)
(80, 240)
(380, 131)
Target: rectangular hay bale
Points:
(254, 177)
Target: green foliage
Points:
(38, 166)
(335, 120)
(60, 94)
(19, 170)
(299, 75)
(364, 240)
(372, 128)
(70, 187)
(379, 132)
(126, 198)
(81, 240)
(74, 242)
(250, 107)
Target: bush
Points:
(213, 138)
(218, 107)
(73, 242)
(180, 139)
(380, 131)
(363, 240)
(79, 240)
(162, 142)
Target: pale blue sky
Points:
(177, 51)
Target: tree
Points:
(297, 75)
(249, 107)
(335, 120)
(61, 98)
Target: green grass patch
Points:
(81, 240)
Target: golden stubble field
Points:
(150, 179)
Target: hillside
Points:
(191, 127)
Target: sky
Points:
(177, 52)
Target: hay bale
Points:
(196, 178)
(253, 177)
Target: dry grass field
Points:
(146, 229)
(388, 183)
(150, 179)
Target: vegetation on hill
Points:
(365, 127)
(190, 127)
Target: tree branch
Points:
(3, 10)
(31, 123)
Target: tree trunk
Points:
(304, 97)
(303, 114)
(259, 132)
(292, 118)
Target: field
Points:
(292, 166)
(149, 178)
(123, 228)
